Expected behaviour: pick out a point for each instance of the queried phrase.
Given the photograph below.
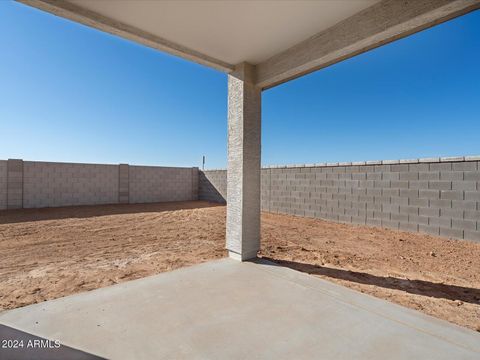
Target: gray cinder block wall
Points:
(3, 184)
(51, 184)
(14, 184)
(212, 186)
(123, 184)
(439, 196)
(32, 184)
(195, 180)
(157, 184)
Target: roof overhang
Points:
(284, 39)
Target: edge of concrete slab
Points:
(38, 348)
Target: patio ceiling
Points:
(230, 31)
(284, 39)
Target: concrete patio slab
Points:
(231, 310)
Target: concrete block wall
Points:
(33, 184)
(3, 184)
(50, 184)
(123, 183)
(439, 196)
(212, 185)
(14, 183)
(265, 189)
(195, 182)
(157, 184)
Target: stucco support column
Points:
(243, 175)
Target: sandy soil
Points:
(51, 253)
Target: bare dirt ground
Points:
(51, 253)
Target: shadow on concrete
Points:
(88, 211)
(20, 345)
(417, 287)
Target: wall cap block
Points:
(409, 161)
(452, 159)
(429, 160)
(375, 162)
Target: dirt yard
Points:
(51, 253)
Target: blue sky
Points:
(71, 93)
